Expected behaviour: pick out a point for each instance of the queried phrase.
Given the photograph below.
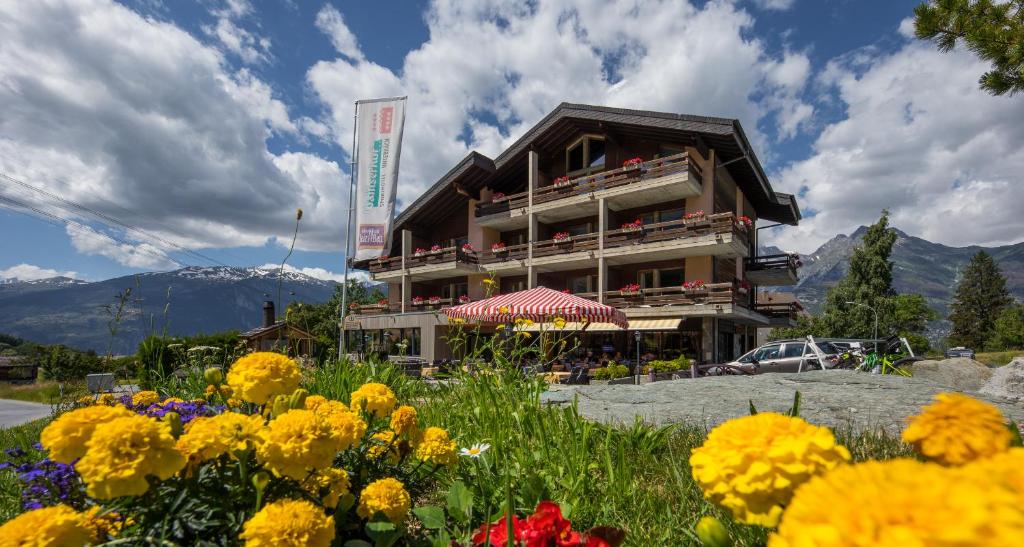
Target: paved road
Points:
(14, 413)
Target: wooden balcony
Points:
(779, 314)
(656, 181)
(779, 269)
(447, 262)
(373, 309)
(721, 300)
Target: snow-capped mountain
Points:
(181, 302)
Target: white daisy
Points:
(474, 451)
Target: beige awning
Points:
(654, 324)
(569, 327)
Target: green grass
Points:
(998, 358)
(41, 392)
(22, 436)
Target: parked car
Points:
(785, 356)
(959, 352)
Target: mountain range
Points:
(919, 266)
(210, 299)
(188, 301)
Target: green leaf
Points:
(460, 502)
(383, 533)
(432, 517)
(1015, 439)
(753, 409)
(795, 410)
(357, 543)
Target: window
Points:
(793, 350)
(579, 229)
(671, 278)
(670, 214)
(767, 352)
(582, 283)
(666, 151)
(515, 285)
(585, 156)
(649, 218)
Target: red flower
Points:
(546, 525)
(632, 162)
(593, 541)
(499, 533)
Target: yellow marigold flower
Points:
(260, 376)
(752, 465)
(957, 429)
(559, 323)
(437, 447)
(289, 523)
(102, 526)
(383, 441)
(403, 421)
(296, 442)
(226, 391)
(143, 398)
(348, 426)
(387, 496)
(84, 400)
(901, 502)
(210, 390)
(173, 400)
(329, 485)
(227, 433)
(377, 399)
(314, 401)
(1005, 468)
(106, 399)
(66, 437)
(235, 403)
(123, 452)
(51, 526)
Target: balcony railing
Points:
(710, 293)
(721, 223)
(778, 269)
(427, 258)
(372, 309)
(604, 180)
(779, 310)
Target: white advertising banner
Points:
(379, 125)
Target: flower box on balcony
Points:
(632, 163)
(630, 290)
(696, 285)
(435, 249)
(383, 302)
(417, 301)
(696, 216)
(498, 196)
(434, 300)
(419, 252)
(561, 182)
(561, 237)
(354, 307)
(633, 227)
(744, 222)
(499, 248)
(467, 248)
(464, 299)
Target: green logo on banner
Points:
(373, 194)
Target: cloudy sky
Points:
(149, 134)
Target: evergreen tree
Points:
(992, 29)
(868, 282)
(980, 298)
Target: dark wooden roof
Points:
(262, 331)
(507, 171)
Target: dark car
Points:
(959, 352)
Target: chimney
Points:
(268, 313)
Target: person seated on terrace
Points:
(618, 357)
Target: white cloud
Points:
(496, 67)
(243, 43)
(920, 139)
(137, 119)
(31, 272)
(777, 5)
(131, 254)
(331, 22)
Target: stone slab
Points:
(836, 398)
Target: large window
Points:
(578, 229)
(585, 156)
(582, 283)
(666, 277)
(672, 278)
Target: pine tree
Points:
(868, 282)
(992, 29)
(980, 298)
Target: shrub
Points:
(610, 372)
(660, 367)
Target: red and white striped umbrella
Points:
(537, 304)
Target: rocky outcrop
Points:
(836, 398)
(960, 374)
(1007, 382)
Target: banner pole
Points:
(342, 346)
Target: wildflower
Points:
(547, 524)
(488, 282)
(347, 425)
(437, 447)
(56, 526)
(210, 390)
(234, 403)
(499, 326)
(145, 398)
(225, 391)
(957, 429)
(1005, 468)
(67, 436)
(297, 442)
(752, 465)
(173, 400)
(495, 534)
(228, 433)
(403, 421)
(377, 399)
(457, 321)
(902, 502)
(524, 334)
(475, 451)
(329, 485)
(106, 399)
(102, 525)
(289, 523)
(559, 323)
(259, 376)
(123, 452)
(84, 400)
(387, 496)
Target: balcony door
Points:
(586, 156)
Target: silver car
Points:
(785, 356)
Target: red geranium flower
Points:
(499, 533)
(546, 525)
